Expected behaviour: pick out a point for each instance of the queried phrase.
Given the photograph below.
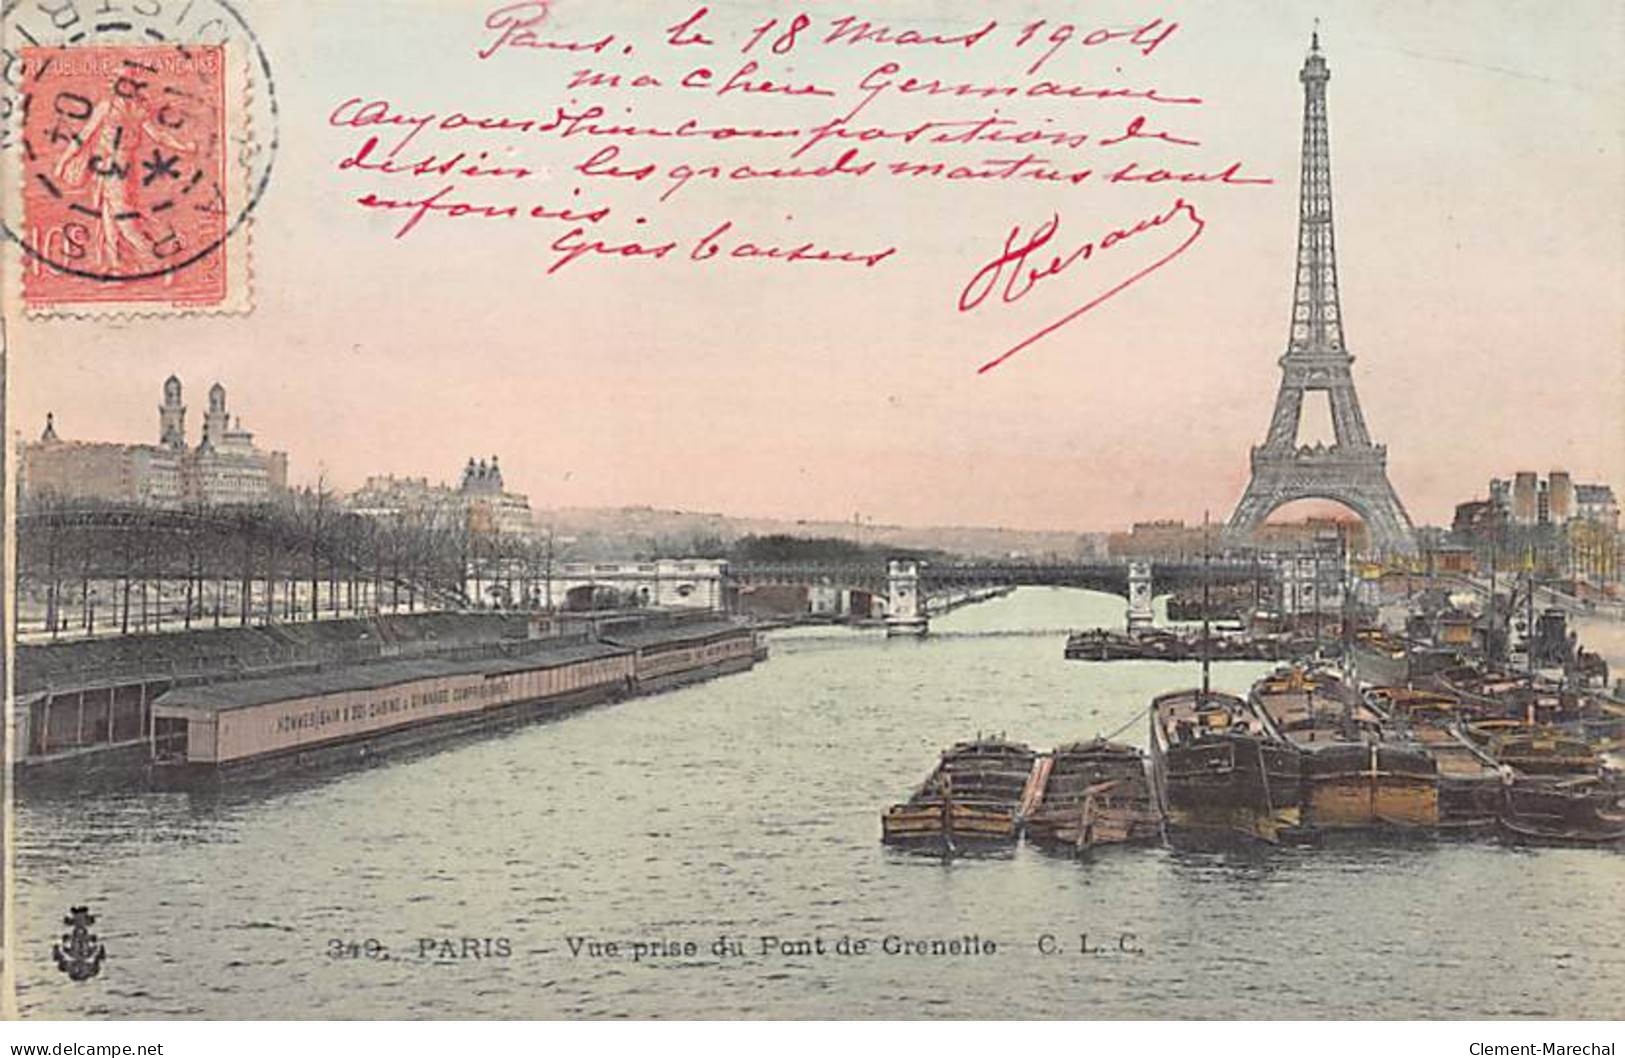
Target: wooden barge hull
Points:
(1235, 786)
(940, 826)
(1469, 804)
(1114, 646)
(1470, 788)
(1543, 753)
(1382, 663)
(974, 797)
(1529, 832)
(1369, 785)
(1096, 825)
(1583, 811)
(1354, 776)
(1219, 774)
(1094, 793)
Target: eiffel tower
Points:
(1351, 470)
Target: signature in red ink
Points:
(1016, 271)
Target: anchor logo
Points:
(80, 953)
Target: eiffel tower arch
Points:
(1351, 470)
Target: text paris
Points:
(722, 243)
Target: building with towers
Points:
(491, 507)
(1555, 523)
(481, 500)
(224, 469)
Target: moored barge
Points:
(973, 797)
(252, 728)
(1355, 775)
(1095, 793)
(1535, 749)
(1577, 810)
(1470, 781)
(1538, 784)
(1100, 644)
(1381, 657)
(1220, 774)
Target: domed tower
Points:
(172, 416)
(216, 421)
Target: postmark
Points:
(137, 139)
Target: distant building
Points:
(1560, 526)
(1529, 499)
(1309, 577)
(225, 469)
(1313, 533)
(491, 508)
(1478, 519)
(1559, 497)
(1525, 506)
(1450, 558)
(1596, 504)
(480, 500)
(387, 496)
(1164, 539)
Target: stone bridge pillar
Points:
(905, 609)
(1140, 614)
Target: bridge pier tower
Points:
(1140, 614)
(905, 609)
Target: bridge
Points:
(912, 590)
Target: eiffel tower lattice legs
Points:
(1356, 478)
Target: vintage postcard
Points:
(806, 510)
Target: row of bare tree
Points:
(261, 557)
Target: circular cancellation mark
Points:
(138, 153)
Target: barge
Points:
(1100, 644)
(1574, 810)
(1220, 773)
(1470, 781)
(1095, 793)
(257, 727)
(1355, 776)
(973, 797)
(664, 658)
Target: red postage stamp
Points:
(126, 188)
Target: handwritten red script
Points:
(629, 140)
(1014, 276)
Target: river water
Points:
(749, 808)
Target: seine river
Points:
(748, 808)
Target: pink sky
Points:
(1478, 171)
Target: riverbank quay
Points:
(104, 713)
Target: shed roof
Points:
(686, 632)
(241, 694)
